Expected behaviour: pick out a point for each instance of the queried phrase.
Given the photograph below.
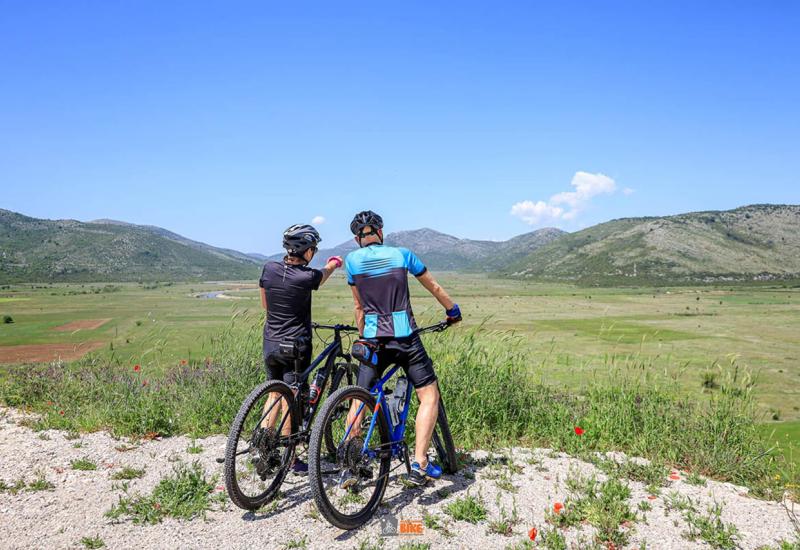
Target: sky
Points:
(227, 122)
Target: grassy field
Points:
(691, 334)
(657, 373)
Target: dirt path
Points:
(42, 353)
(74, 508)
(83, 324)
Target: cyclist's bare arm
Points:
(430, 284)
(328, 270)
(358, 310)
(263, 298)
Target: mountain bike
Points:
(275, 418)
(341, 480)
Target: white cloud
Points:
(566, 205)
(534, 212)
(318, 220)
(628, 191)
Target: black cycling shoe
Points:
(416, 478)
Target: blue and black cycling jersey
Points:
(380, 273)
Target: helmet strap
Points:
(361, 235)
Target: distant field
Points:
(683, 332)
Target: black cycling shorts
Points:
(409, 353)
(281, 367)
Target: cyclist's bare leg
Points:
(427, 415)
(276, 414)
(352, 420)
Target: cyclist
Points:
(378, 276)
(286, 288)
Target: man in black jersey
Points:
(286, 288)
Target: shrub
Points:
(8, 319)
(184, 494)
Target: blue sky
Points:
(226, 122)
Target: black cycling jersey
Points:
(288, 289)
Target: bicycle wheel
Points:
(349, 486)
(344, 371)
(258, 456)
(443, 442)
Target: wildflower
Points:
(578, 430)
(144, 383)
(184, 362)
(557, 507)
(136, 368)
(157, 505)
(50, 403)
(220, 488)
(61, 413)
(652, 497)
(674, 476)
(532, 533)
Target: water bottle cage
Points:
(365, 351)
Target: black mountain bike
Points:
(259, 453)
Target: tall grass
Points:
(496, 395)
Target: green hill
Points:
(441, 251)
(758, 242)
(34, 250)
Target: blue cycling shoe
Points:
(419, 476)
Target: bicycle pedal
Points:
(348, 483)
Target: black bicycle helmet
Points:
(299, 238)
(364, 219)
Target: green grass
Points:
(127, 473)
(83, 464)
(184, 494)
(604, 505)
(468, 508)
(93, 542)
(559, 364)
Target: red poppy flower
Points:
(557, 507)
(50, 403)
(58, 469)
(532, 533)
(674, 477)
(184, 362)
(136, 368)
(578, 430)
(61, 413)
(652, 497)
(157, 506)
(220, 488)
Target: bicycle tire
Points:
(443, 441)
(326, 508)
(231, 482)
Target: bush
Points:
(7, 319)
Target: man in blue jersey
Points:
(378, 278)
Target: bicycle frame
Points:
(396, 433)
(332, 351)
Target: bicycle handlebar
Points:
(343, 328)
(438, 327)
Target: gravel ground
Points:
(61, 517)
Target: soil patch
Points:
(83, 324)
(40, 353)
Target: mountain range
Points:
(754, 242)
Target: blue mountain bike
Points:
(348, 484)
